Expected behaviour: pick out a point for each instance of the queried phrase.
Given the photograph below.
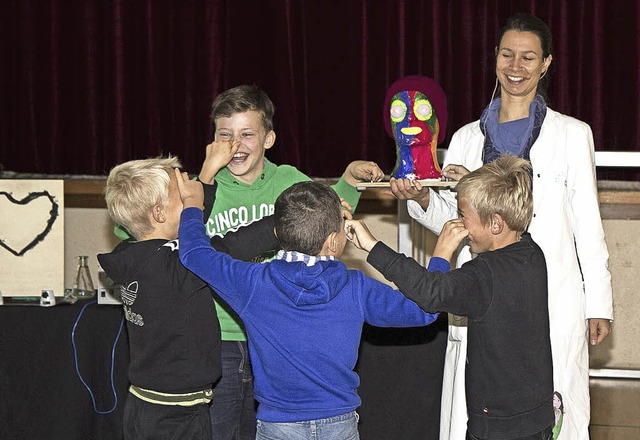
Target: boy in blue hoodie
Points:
(303, 311)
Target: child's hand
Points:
(191, 191)
(407, 189)
(450, 238)
(454, 172)
(346, 209)
(358, 234)
(218, 155)
(362, 171)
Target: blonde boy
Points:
(503, 292)
(174, 335)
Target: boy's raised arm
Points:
(191, 191)
(449, 239)
(362, 171)
(244, 244)
(358, 233)
(218, 154)
(356, 172)
(250, 241)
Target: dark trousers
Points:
(233, 408)
(545, 434)
(401, 381)
(144, 420)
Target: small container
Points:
(83, 285)
(47, 299)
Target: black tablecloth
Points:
(401, 381)
(41, 395)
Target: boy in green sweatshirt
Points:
(247, 190)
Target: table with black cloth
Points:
(41, 395)
(401, 381)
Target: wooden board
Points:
(31, 237)
(425, 182)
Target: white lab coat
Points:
(566, 211)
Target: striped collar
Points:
(292, 256)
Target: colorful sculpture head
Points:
(415, 116)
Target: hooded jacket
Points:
(174, 335)
(238, 204)
(303, 323)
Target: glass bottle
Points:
(83, 285)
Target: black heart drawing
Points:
(53, 215)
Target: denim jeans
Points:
(344, 427)
(233, 408)
(545, 434)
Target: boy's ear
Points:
(158, 214)
(497, 224)
(270, 140)
(331, 243)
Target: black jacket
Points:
(174, 335)
(509, 374)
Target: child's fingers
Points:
(179, 176)
(458, 231)
(373, 172)
(346, 211)
(454, 172)
(456, 225)
(378, 174)
(349, 230)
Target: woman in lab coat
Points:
(566, 220)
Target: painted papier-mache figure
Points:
(415, 116)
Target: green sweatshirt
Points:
(238, 204)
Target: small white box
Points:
(108, 291)
(47, 299)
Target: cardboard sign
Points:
(31, 237)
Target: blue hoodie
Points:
(303, 323)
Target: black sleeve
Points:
(249, 241)
(209, 198)
(462, 291)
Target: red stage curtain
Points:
(89, 84)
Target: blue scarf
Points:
(496, 143)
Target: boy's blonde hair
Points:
(133, 188)
(502, 187)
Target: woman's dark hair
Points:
(529, 23)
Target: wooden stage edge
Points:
(618, 199)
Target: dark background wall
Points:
(87, 84)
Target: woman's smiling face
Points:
(520, 63)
